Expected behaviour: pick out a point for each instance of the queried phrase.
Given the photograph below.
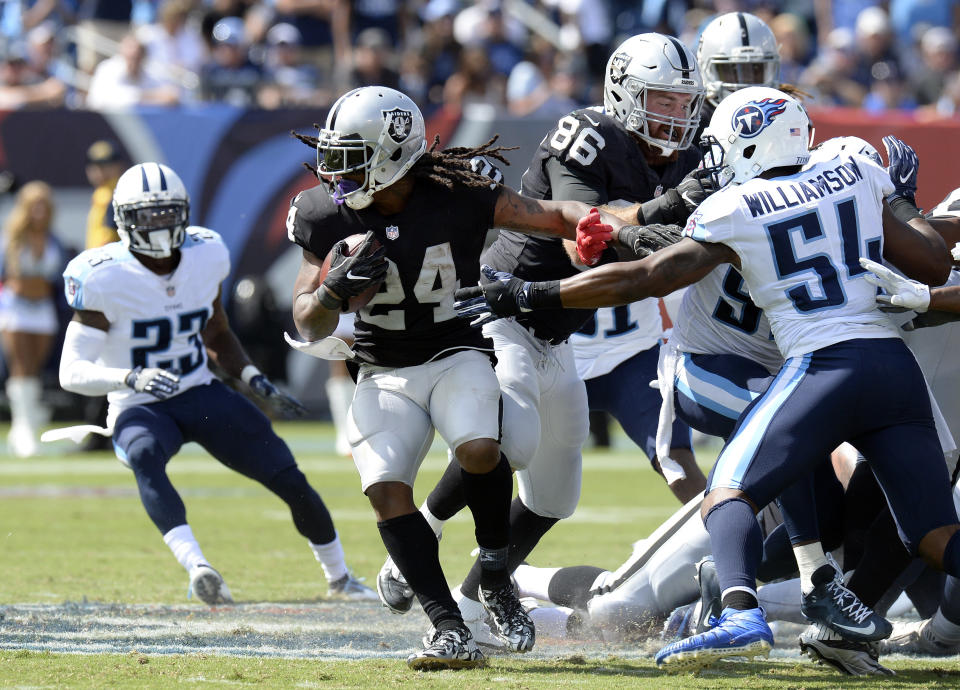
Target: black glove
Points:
(159, 383)
(350, 275)
(281, 403)
(674, 206)
(644, 240)
(502, 294)
(904, 165)
(930, 319)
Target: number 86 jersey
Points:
(155, 321)
(800, 239)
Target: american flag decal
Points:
(795, 132)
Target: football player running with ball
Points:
(847, 374)
(426, 214)
(147, 319)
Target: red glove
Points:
(592, 237)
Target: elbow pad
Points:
(79, 372)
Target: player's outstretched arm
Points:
(224, 348)
(313, 320)
(537, 217)
(915, 248)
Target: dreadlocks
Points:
(452, 166)
(446, 168)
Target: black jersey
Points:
(588, 157)
(433, 247)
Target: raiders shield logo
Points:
(393, 232)
(400, 123)
(618, 67)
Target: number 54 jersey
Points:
(155, 321)
(800, 239)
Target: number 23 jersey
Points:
(433, 247)
(155, 321)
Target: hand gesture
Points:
(592, 237)
(901, 292)
(904, 165)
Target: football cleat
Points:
(710, 606)
(393, 589)
(477, 620)
(208, 585)
(444, 649)
(511, 622)
(735, 633)
(833, 605)
(917, 638)
(825, 646)
(352, 588)
(680, 623)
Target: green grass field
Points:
(85, 570)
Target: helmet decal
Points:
(752, 118)
(618, 66)
(400, 123)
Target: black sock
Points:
(526, 529)
(571, 586)
(884, 558)
(447, 498)
(413, 547)
(778, 559)
(488, 496)
(739, 599)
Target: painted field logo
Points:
(754, 117)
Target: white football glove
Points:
(902, 292)
(955, 252)
(159, 383)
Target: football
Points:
(357, 302)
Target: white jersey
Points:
(799, 239)
(155, 321)
(615, 335)
(718, 317)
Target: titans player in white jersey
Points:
(147, 319)
(801, 264)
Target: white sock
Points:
(781, 601)
(534, 582)
(809, 558)
(436, 524)
(184, 547)
(551, 622)
(944, 630)
(339, 395)
(331, 558)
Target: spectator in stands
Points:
(32, 261)
(830, 77)
(793, 38)
(530, 94)
(324, 30)
(474, 81)
(30, 77)
(888, 90)
(948, 105)
(908, 15)
(372, 58)
(174, 42)
(938, 47)
(387, 15)
(102, 23)
(127, 80)
(230, 76)
(440, 51)
(287, 79)
(874, 43)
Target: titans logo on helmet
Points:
(401, 122)
(754, 117)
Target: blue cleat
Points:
(736, 633)
(831, 604)
(710, 606)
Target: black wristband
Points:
(545, 295)
(327, 300)
(640, 219)
(903, 208)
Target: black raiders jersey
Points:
(588, 157)
(433, 247)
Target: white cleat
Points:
(447, 649)
(476, 618)
(351, 588)
(208, 585)
(917, 639)
(825, 646)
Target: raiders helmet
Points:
(737, 50)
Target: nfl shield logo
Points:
(393, 232)
(171, 291)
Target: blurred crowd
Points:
(526, 56)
